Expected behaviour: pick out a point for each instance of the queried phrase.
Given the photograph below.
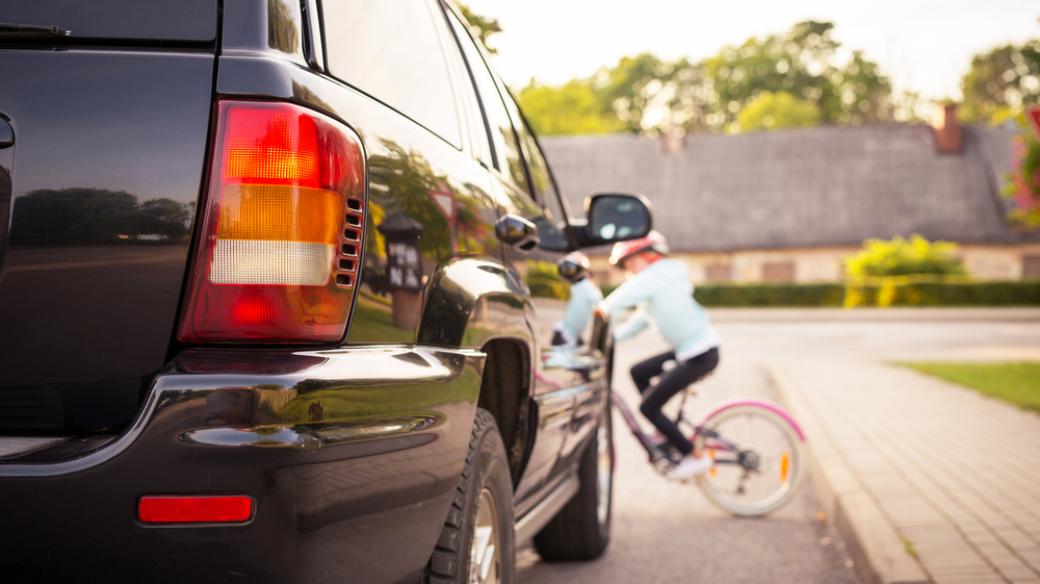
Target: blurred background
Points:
(855, 154)
(801, 156)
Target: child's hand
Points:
(599, 312)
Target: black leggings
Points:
(671, 382)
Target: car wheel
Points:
(476, 545)
(581, 531)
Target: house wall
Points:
(984, 262)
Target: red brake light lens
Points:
(162, 509)
(286, 181)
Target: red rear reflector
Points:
(286, 204)
(201, 509)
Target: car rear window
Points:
(163, 20)
(393, 52)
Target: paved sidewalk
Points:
(937, 482)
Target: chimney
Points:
(948, 132)
(673, 140)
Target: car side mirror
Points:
(517, 232)
(613, 217)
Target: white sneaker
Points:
(691, 467)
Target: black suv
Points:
(263, 312)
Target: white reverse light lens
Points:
(271, 262)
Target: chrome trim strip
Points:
(367, 367)
(11, 446)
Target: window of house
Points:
(718, 272)
(1031, 266)
(778, 272)
(392, 51)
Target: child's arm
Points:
(635, 324)
(628, 295)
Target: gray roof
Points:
(800, 188)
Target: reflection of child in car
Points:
(585, 295)
(660, 289)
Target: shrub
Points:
(904, 257)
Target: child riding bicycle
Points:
(660, 289)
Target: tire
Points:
(581, 530)
(791, 444)
(485, 478)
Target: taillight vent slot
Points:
(349, 249)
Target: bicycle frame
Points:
(717, 443)
(653, 450)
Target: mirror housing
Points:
(517, 232)
(613, 217)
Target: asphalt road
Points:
(665, 532)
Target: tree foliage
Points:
(773, 111)
(584, 110)
(1001, 82)
(644, 92)
(1023, 186)
(482, 26)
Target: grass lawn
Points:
(1014, 382)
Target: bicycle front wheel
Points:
(758, 459)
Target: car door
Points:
(580, 371)
(566, 394)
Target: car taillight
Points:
(282, 228)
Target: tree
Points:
(863, 91)
(1001, 82)
(802, 62)
(1023, 186)
(795, 63)
(483, 26)
(691, 99)
(772, 111)
(572, 108)
(787, 76)
(629, 87)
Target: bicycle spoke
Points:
(754, 453)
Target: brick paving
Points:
(955, 474)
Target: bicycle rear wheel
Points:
(758, 459)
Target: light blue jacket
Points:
(584, 297)
(663, 293)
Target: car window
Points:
(550, 231)
(391, 50)
(503, 138)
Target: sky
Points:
(923, 45)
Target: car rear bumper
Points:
(352, 456)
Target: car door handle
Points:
(515, 231)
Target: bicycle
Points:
(754, 443)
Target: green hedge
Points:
(770, 294)
(880, 292)
(932, 291)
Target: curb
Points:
(877, 549)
